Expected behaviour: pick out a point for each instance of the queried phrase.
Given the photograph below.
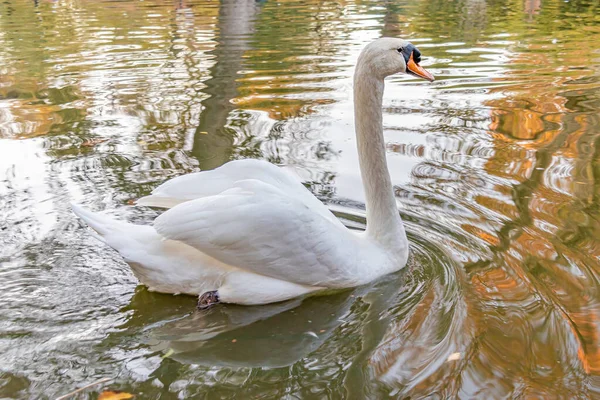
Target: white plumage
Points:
(254, 234)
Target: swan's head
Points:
(388, 56)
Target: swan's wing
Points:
(257, 227)
(209, 183)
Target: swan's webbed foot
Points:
(207, 300)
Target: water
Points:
(495, 167)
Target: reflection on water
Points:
(495, 166)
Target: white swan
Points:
(250, 233)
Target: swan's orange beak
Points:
(415, 69)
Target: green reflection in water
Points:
(495, 166)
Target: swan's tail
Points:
(104, 226)
(163, 265)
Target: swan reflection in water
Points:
(402, 329)
(272, 335)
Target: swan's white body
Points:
(252, 232)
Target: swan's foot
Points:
(207, 300)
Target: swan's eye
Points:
(400, 50)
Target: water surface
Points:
(495, 165)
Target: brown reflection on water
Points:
(212, 143)
(532, 267)
(530, 294)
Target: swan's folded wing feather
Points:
(209, 183)
(259, 228)
(202, 184)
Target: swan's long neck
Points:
(383, 220)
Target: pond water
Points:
(496, 167)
